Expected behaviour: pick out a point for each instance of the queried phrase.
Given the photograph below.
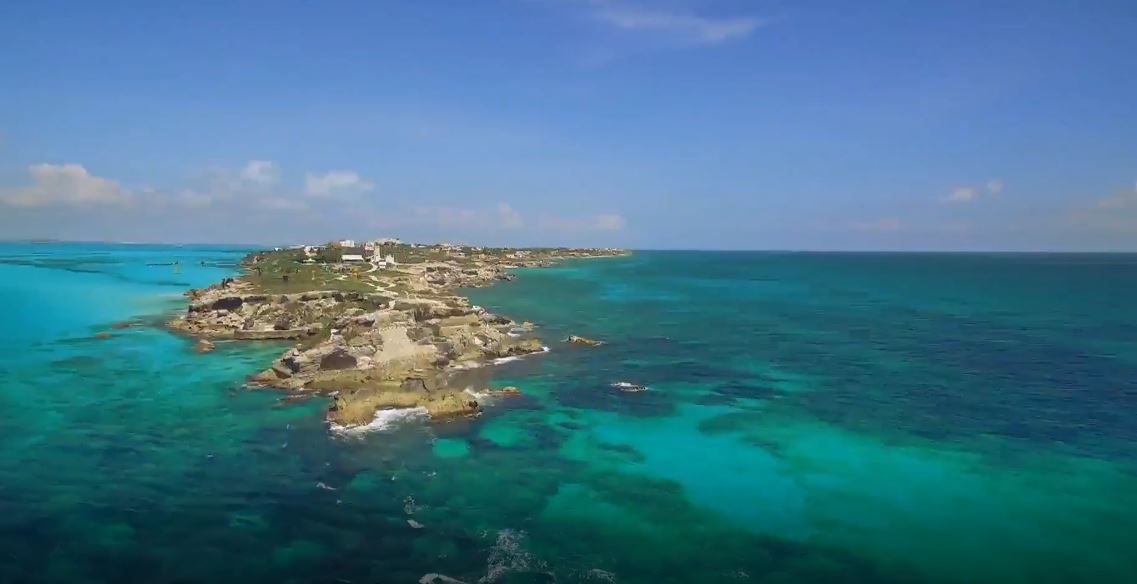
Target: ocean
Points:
(807, 417)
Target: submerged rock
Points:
(439, 579)
(204, 346)
(629, 387)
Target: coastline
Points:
(374, 340)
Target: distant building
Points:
(352, 257)
(347, 243)
(375, 243)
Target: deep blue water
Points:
(810, 417)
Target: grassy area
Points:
(284, 272)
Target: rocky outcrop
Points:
(234, 312)
(517, 348)
(587, 342)
(392, 358)
(357, 406)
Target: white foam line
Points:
(384, 420)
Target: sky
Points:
(685, 124)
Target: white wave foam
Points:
(629, 386)
(501, 360)
(480, 396)
(384, 420)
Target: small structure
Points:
(347, 243)
(352, 257)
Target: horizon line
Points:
(32, 240)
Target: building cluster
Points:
(351, 251)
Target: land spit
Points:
(372, 335)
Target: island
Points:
(375, 326)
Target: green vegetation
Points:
(292, 271)
(285, 272)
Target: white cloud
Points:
(971, 193)
(64, 184)
(263, 172)
(963, 195)
(336, 181)
(681, 26)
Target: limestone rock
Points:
(450, 405)
(515, 349)
(204, 346)
(575, 340)
(337, 359)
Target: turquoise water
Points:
(809, 418)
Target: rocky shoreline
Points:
(393, 347)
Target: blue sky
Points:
(650, 124)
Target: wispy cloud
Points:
(263, 172)
(1119, 201)
(970, 193)
(336, 181)
(65, 185)
(681, 26)
(1115, 214)
(255, 185)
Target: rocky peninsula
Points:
(375, 327)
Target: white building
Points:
(352, 257)
(347, 243)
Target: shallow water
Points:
(810, 417)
